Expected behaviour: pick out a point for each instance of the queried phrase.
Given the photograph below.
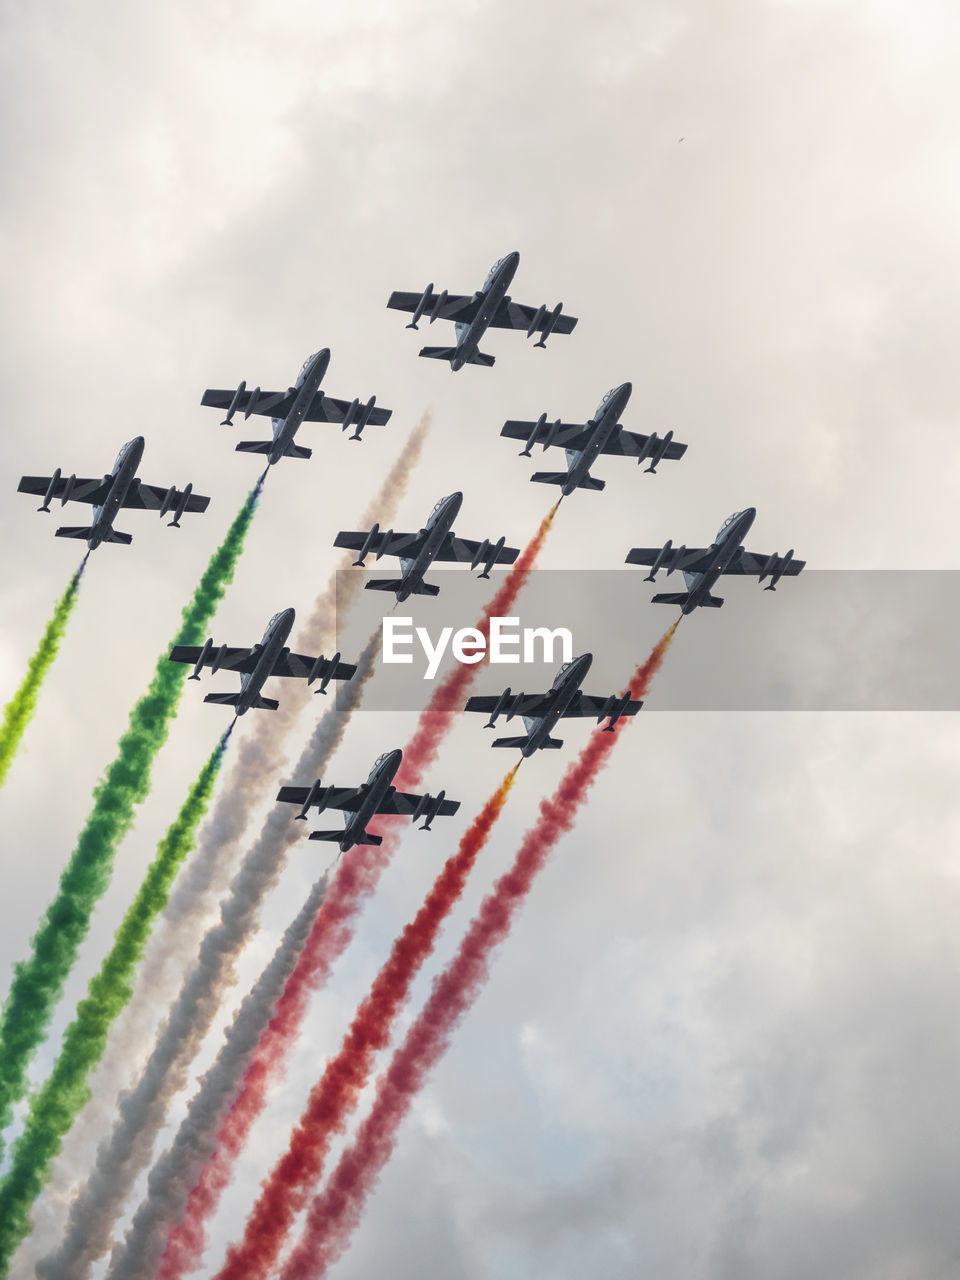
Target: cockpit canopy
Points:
(380, 759)
(440, 504)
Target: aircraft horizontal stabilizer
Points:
(394, 584)
(591, 482)
(336, 836)
(223, 699)
(266, 704)
(113, 535)
(447, 353)
(297, 451)
(511, 742)
(254, 446)
(681, 598)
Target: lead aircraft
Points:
(541, 711)
(473, 314)
(376, 795)
(109, 493)
(702, 566)
(585, 441)
(303, 402)
(418, 551)
(270, 657)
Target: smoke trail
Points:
(356, 878)
(336, 1211)
(38, 981)
(18, 712)
(173, 947)
(142, 1110)
(167, 1188)
(333, 1099)
(53, 1107)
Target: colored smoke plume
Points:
(337, 1210)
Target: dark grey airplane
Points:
(541, 711)
(474, 314)
(702, 566)
(270, 657)
(303, 402)
(376, 795)
(585, 441)
(120, 488)
(418, 551)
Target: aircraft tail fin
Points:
(681, 598)
(112, 535)
(394, 584)
(447, 353)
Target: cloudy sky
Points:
(721, 1040)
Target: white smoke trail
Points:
(173, 1175)
(176, 936)
(141, 1112)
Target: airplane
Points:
(270, 657)
(376, 795)
(585, 441)
(417, 551)
(303, 402)
(473, 314)
(702, 566)
(541, 711)
(120, 488)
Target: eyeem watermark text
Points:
(508, 640)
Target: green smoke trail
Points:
(38, 981)
(18, 712)
(55, 1106)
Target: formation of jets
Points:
(583, 443)
(418, 551)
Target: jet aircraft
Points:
(541, 711)
(473, 314)
(417, 551)
(270, 657)
(702, 566)
(376, 795)
(585, 441)
(120, 488)
(303, 402)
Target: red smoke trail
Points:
(337, 1210)
(285, 1193)
(357, 876)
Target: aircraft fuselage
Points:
(564, 689)
(379, 784)
(306, 387)
(605, 422)
(490, 296)
(437, 528)
(270, 648)
(124, 474)
(729, 541)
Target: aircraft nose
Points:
(288, 615)
(513, 257)
(395, 756)
(585, 661)
(626, 388)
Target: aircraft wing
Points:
(455, 306)
(631, 443)
(514, 315)
(327, 409)
(242, 660)
(532, 706)
(150, 497)
(300, 665)
(750, 563)
(383, 544)
(582, 704)
(407, 801)
(274, 404)
(92, 491)
(348, 798)
(465, 550)
(568, 435)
